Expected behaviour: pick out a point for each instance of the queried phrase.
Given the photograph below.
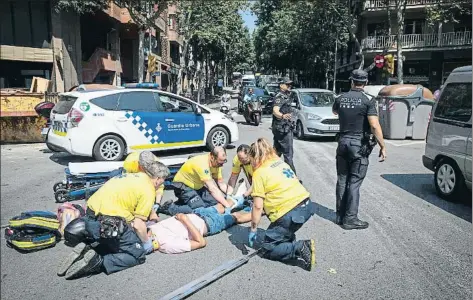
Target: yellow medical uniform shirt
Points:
(132, 165)
(237, 166)
(196, 170)
(126, 196)
(276, 183)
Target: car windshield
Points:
(258, 92)
(273, 88)
(317, 99)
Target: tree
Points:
(80, 7)
(447, 12)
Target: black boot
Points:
(354, 224)
(338, 219)
(76, 254)
(91, 263)
(306, 256)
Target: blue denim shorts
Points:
(216, 222)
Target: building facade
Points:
(429, 53)
(69, 49)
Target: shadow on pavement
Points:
(325, 212)
(239, 238)
(321, 139)
(422, 186)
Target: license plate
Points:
(334, 128)
(45, 131)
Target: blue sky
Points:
(249, 19)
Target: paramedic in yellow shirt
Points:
(278, 192)
(199, 183)
(134, 163)
(130, 197)
(241, 161)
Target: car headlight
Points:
(313, 117)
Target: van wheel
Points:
(299, 131)
(218, 136)
(449, 181)
(109, 148)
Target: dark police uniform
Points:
(283, 129)
(353, 150)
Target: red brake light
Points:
(75, 117)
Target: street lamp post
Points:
(225, 63)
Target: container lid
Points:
(400, 90)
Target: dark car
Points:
(272, 89)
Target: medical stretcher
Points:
(82, 180)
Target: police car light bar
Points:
(144, 85)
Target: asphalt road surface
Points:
(417, 246)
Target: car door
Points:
(139, 119)
(468, 159)
(296, 106)
(182, 125)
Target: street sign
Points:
(379, 61)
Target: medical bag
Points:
(33, 230)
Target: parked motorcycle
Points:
(44, 109)
(225, 105)
(253, 111)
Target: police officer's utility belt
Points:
(111, 227)
(368, 142)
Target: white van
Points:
(448, 142)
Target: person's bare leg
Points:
(242, 216)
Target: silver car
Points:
(313, 113)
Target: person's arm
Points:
(256, 212)
(197, 239)
(232, 180)
(248, 192)
(225, 187)
(378, 133)
(336, 106)
(216, 192)
(276, 110)
(140, 229)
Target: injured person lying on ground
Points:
(186, 232)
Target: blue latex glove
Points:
(228, 210)
(251, 238)
(239, 200)
(156, 207)
(148, 246)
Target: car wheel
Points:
(299, 131)
(109, 148)
(218, 136)
(59, 186)
(449, 181)
(52, 148)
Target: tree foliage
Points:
(447, 12)
(80, 6)
(300, 36)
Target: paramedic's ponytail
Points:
(261, 151)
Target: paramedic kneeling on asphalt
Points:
(278, 192)
(199, 183)
(358, 119)
(115, 224)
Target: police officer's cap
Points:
(286, 81)
(359, 75)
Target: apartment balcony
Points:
(381, 5)
(419, 42)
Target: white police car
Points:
(107, 124)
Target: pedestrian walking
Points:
(359, 132)
(283, 126)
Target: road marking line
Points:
(404, 144)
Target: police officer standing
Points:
(358, 123)
(282, 124)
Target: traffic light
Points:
(389, 63)
(151, 63)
